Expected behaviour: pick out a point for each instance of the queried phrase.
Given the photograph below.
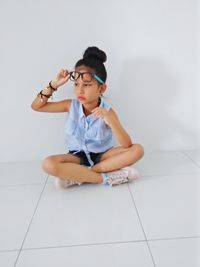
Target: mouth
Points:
(81, 98)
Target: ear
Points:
(102, 88)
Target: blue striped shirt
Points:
(87, 133)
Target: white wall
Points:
(152, 69)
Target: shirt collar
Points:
(81, 108)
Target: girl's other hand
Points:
(61, 78)
(101, 113)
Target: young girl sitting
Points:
(89, 130)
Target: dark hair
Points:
(94, 58)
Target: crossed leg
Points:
(119, 157)
(68, 166)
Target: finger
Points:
(95, 113)
(98, 115)
(61, 73)
(96, 109)
(65, 74)
(66, 71)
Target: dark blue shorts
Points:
(95, 157)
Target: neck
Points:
(87, 108)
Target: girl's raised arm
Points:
(40, 103)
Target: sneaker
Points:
(61, 183)
(124, 175)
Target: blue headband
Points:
(98, 79)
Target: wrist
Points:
(54, 84)
(47, 91)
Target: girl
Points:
(89, 129)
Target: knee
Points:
(49, 165)
(138, 149)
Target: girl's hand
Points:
(61, 78)
(102, 113)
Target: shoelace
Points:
(119, 175)
(117, 178)
(71, 182)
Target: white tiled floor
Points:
(154, 221)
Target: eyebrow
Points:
(84, 82)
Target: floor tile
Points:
(176, 253)
(17, 173)
(7, 259)
(194, 155)
(84, 214)
(166, 163)
(83, 220)
(169, 206)
(17, 204)
(110, 255)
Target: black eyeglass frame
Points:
(80, 74)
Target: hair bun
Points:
(95, 53)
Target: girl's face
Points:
(87, 92)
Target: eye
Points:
(75, 84)
(87, 84)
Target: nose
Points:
(80, 88)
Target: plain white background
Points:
(152, 49)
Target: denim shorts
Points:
(95, 157)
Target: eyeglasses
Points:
(85, 76)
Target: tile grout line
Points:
(107, 243)
(104, 243)
(9, 250)
(170, 174)
(142, 226)
(37, 204)
(18, 185)
(184, 153)
(85, 245)
(174, 238)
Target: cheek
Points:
(91, 90)
(96, 89)
(95, 92)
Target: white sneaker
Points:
(124, 175)
(61, 183)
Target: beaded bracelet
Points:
(41, 95)
(54, 89)
(47, 96)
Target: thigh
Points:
(65, 158)
(112, 152)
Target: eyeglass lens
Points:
(85, 76)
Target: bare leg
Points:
(68, 167)
(118, 158)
